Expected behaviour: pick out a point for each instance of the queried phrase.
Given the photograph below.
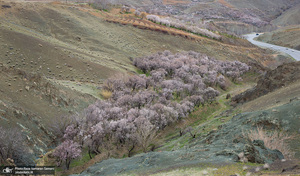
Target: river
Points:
(292, 52)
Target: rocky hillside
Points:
(283, 76)
(288, 17)
(238, 17)
(32, 104)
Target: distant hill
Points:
(289, 17)
(237, 16)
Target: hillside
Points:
(282, 76)
(217, 148)
(32, 104)
(234, 16)
(287, 36)
(288, 17)
(200, 155)
(65, 64)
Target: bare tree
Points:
(59, 124)
(12, 146)
(146, 133)
(190, 131)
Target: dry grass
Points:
(106, 94)
(273, 140)
(108, 86)
(145, 24)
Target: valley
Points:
(287, 36)
(292, 52)
(151, 87)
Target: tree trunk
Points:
(180, 132)
(90, 155)
(152, 148)
(68, 162)
(130, 150)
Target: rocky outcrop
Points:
(282, 76)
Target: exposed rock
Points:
(295, 167)
(266, 166)
(245, 168)
(27, 88)
(10, 162)
(78, 39)
(281, 76)
(256, 152)
(6, 6)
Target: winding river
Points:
(292, 52)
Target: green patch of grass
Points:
(201, 169)
(80, 161)
(199, 116)
(184, 143)
(169, 134)
(58, 169)
(209, 169)
(203, 112)
(202, 116)
(230, 36)
(140, 72)
(232, 169)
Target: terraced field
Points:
(144, 24)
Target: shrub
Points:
(125, 9)
(143, 15)
(12, 147)
(106, 94)
(137, 13)
(146, 132)
(273, 140)
(58, 125)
